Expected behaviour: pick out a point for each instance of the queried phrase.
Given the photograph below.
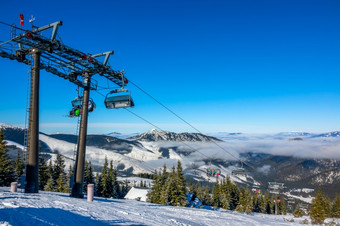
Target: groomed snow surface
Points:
(51, 208)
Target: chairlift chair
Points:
(77, 106)
(213, 172)
(238, 171)
(118, 98)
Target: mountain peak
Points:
(156, 135)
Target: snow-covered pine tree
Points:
(7, 173)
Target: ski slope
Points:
(50, 208)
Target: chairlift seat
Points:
(239, 171)
(77, 105)
(120, 98)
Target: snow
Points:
(51, 208)
(9, 142)
(308, 199)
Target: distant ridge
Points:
(156, 135)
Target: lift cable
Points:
(155, 126)
(187, 122)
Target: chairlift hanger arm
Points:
(54, 25)
(106, 54)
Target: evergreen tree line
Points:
(230, 196)
(106, 184)
(10, 171)
(169, 188)
(323, 208)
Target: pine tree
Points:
(99, 186)
(88, 175)
(181, 186)
(267, 204)
(234, 196)
(206, 198)
(168, 195)
(282, 206)
(43, 173)
(320, 208)
(50, 173)
(336, 207)
(59, 167)
(105, 180)
(19, 166)
(245, 201)
(191, 187)
(50, 184)
(61, 183)
(7, 172)
(216, 196)
(298, 212)
(69, 177)
(154, 193)
(114, 186)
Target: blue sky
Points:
(236, 66)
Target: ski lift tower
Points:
(50, 54)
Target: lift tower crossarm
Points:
(77, 62)
(54, 25)
(106, 54)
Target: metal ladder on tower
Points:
(77, 134)
(27, 113)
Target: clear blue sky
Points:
(236, 66)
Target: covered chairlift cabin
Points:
(213, 172)
(118, 98)
(77, 105)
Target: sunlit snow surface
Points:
(49, 208)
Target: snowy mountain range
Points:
(308, 162)
(156, 135)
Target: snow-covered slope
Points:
(49, 208)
